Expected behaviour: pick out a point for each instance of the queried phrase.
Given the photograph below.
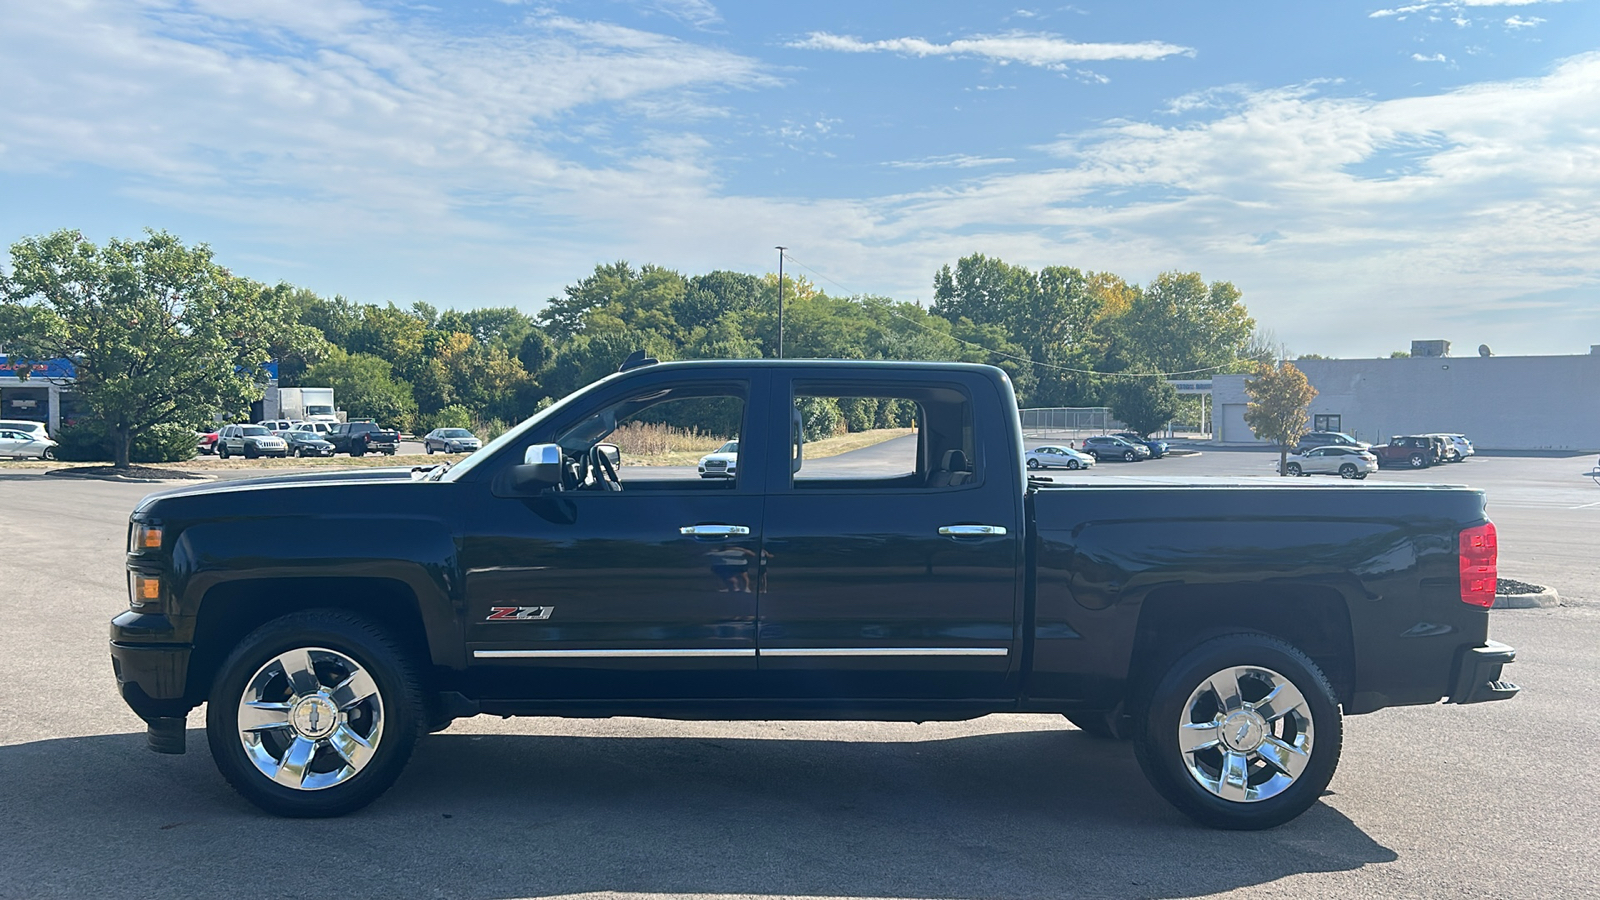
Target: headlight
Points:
(144, 537)
(144, 591)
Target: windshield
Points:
(254, 431)
(729, 447)
(454, 433)
(319, 410)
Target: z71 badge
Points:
(519, 613)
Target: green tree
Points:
(365, 387)
(1279, 398)
(158, 332)
(1144, 404)
(1179, 323)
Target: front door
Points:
(644, 592)
(892, 569)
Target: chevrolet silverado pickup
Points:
(328, 620)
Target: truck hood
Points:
(278, 482)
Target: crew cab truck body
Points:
(329, 619)
(361, 438)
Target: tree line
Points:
(162, 334)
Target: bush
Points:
(859, 412)
(90, 441)
(453, 416)
(84, 441)
(168, 442)
(821, 417)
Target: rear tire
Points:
(1242, 732)
(1418, 461)
(1348, 470)
(331, 656)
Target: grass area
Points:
(674, 450)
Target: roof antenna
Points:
(635, 360)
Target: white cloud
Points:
(950, 161)
(1448, 5)
(1437, 57)
(1032, 49)
(1517, 22)
(699, 13)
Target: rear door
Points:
(891, 569)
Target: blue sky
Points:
(1366, 173)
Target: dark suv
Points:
(1108, 446)
(1415, 451)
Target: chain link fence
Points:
(1061, 423)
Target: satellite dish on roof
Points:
(1484, 351)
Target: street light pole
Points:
(780, 300)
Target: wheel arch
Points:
(232, 609)
(1313, 618)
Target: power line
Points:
(1024, 359)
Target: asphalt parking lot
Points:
(1496, 800)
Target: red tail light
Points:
(1480, 553)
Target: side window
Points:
(881, 437)
(686, 437)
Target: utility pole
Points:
(780, 300)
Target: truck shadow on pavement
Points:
(1023, 814)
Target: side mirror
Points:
(612, 452)
(797, 429)
(541, 468)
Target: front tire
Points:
(1129, 456)
(1072, 464)
(1293, 469)
(314, 714)
(222, 451)
(1242, 732)
(430, 453)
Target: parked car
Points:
(360, 438)
(249, 441)
(1317, 439)
(722, 463)
(1346, 462)
(1106, 446)
(1231, 633)
(1055, 455)
(1415, 451)
(206, 441)
(306, 443)
(320, 429)
(15, 442)
(27, 425)
(451, 440)
(1156, 446)
(278, 426)
(1457, 447)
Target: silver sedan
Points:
(1053, 456)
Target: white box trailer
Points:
(302, 404)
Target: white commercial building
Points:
(1499, 402)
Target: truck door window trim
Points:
(614, 654)
(790, 652)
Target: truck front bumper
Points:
(1478, 674)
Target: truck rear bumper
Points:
(1478, 674)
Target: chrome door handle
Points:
(713, 530)
(972, 530)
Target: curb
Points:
(1546, 597)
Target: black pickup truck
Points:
(361, 438)
(329, 619)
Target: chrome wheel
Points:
(311, 718)
(1245, 734)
